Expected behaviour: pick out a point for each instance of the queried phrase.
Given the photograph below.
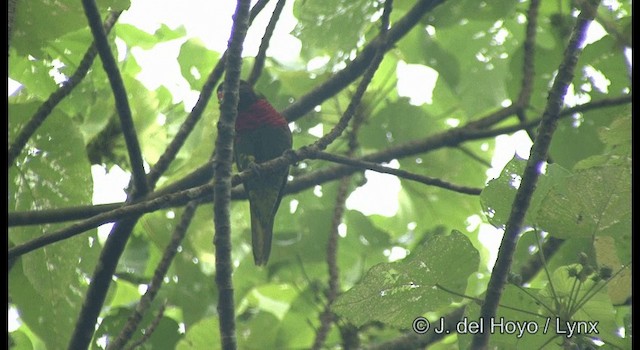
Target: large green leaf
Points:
(53, 173)
(396, 293)
(201, 335)
(497, 197)
(595, 201)
(196, 61)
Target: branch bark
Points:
(531, 172)
(222, 178)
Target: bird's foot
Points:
(255, 168)
(292, 156)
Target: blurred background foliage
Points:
(389, 264)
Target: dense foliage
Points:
(338, 276)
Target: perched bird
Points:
(261, 134)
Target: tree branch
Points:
(397, 172)
(156, 282)
(327, 317)
(531, 172)
(528, 72)
(149, 330)
(120, 95)
(222, 178)
(114, 246)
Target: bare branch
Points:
(222, 179)
(120, 95)
(149, 330)
(531, 172)
(158, 276)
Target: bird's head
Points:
(246, 94)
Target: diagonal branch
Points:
(531, 172)
(120, 95)
(156, 282)
(337, 130)
(149, 330)
(115, 243)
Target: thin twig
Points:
(397, 172)
(156, 282)
(149, 330)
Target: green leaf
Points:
(54, 173)
(298, 327)
(595, 201)
(419, 47)
(19, 340)
(396, 293)
(497, 197)
(196, 61)
(594, 303)
(134, 36)
(202, 335)
(258, 332)
(619, 286)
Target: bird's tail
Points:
(261, 234)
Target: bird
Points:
(261, 134)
